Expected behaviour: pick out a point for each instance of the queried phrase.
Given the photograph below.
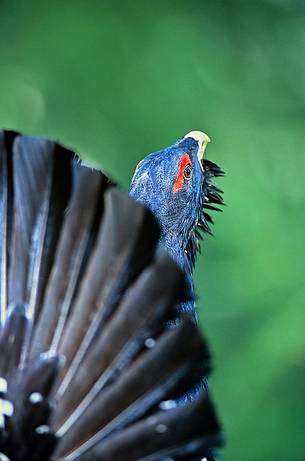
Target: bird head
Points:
(176, 184)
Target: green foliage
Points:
(118, 80)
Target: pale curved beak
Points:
(202, 139)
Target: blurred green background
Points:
(119, 80)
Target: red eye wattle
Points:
(184, 172)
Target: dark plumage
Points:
(88, 370)
(176, 184)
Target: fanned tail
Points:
(88, 368)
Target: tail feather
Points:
(6, 140)
(68, 264)
(13, 340)
(147, 381)
(32, 166)
(116, 260)
(179, 433)
(88, 366)
(143, 309)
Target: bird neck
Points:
(177, 246)
(174, 245)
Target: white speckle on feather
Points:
(161, 428)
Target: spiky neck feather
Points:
(209, 197)
(182, 216)
(182, 237)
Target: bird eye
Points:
(188, 172)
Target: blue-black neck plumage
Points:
(177, 200)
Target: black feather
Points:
(210, 194)
(88, 366)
